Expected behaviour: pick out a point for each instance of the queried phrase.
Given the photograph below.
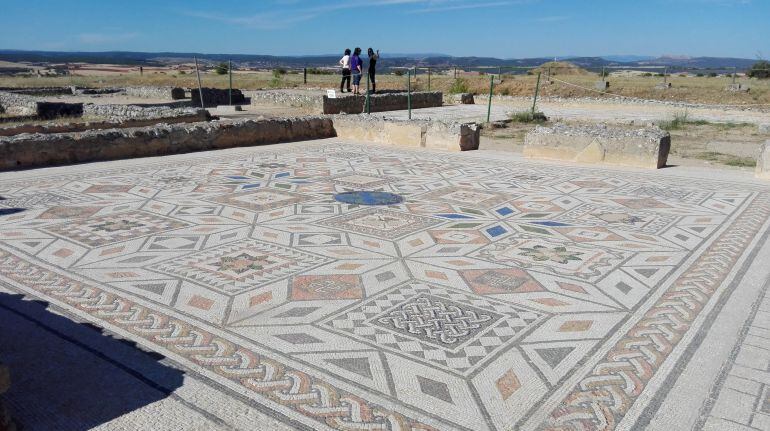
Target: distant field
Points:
(686, 89)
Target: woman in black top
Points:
(373, 57)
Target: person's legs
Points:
(372, 80)
(345, 78)
(356, 82)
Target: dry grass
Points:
(685, 89)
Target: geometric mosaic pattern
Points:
(496, 296)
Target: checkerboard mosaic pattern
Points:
(497, 296)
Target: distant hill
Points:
(392, 60)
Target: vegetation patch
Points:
(727, 159)
(528, 117)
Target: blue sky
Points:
(501, 28)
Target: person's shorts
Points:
(356, 79)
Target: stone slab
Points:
(763, 162)
(644, 148)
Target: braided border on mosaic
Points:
(263, 376)
(601, 399)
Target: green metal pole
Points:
(489, 104)
(409, 92)
(230, 72)
(304, 74)
(537, 91)
(368, 102)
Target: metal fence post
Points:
(200, 86)
(230, 88)
(409, 92)
(489, 104)
(429, 79)
(368, 102)
(304, 73)
(455, 72)
(537, 91)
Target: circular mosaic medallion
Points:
(368, 198)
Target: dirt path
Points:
(611, 111)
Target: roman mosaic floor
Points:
(500, 295)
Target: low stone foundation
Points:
(381, 102)
(642, 148)
(137, 112)
(194, 116)
(408, 133)
(37, 150)
(764, 128)
(763, 162)
(213, 97)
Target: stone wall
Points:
(643, 148)
(136, 112)
(214, 97)
(37, 150)
(165, 93)
(763, 162)
(408, 133)
(18, 104)
(194, 116)
(381, 102)
(286, 98)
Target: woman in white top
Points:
(345, 63)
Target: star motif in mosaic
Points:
(240, 266)
(113, 228)
(382, 223)
(496, 296)
(261, 200)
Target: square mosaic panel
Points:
(262, 199)
(382, 223)
(454, 329)
(114, 228)
(240, 266)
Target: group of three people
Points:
(352, 65)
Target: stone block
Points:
(643, 148)
(738, 88)
(382, 102)
(408, 133)
(215, 97)
(764, 128)
(602, 85)
(662, 86)
(464, 99)
(763, 162)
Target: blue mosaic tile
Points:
(505, 211)
(369, 198)
(550, 223)
(496, 231)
